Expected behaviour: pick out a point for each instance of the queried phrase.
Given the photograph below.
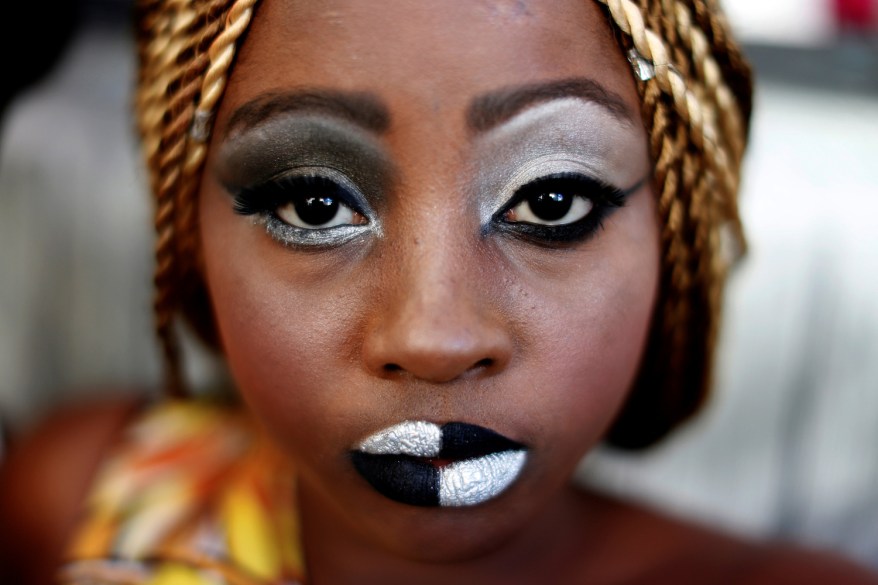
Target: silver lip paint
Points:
(400, 462)
(414, 438)
(473, 481)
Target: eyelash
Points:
(605, 199)
(264, 200)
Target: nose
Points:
(439, 321)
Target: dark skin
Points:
(441, 307)
(44, 480)
(430, 317)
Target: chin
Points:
(452, 535)
(434, 535)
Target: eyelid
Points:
(262, 201)
(534, 170)
(359, 201)
(600, 193)
(328, 171)
(300, 141)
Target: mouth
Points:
(452, 465)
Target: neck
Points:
(559, 541)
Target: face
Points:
(431, 246)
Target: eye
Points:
(559, 208)
(306, 209)
(306, 201)
(551, 207)
(315, 211)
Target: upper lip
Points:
(452, 440)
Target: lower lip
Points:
(418, 482)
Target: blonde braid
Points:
(697, 135)
(207, 81)
(163, 150)
(709, 70)
(179, 41)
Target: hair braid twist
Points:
(183, 44)
(696, 109)
(697, 124)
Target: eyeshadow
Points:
(296, 141)
(564, 135)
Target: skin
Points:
(53, 466)
(429, 319)
(427, 315)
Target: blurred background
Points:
(788, 447)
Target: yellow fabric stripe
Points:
(176, 574)
(251, 539)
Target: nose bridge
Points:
(437, 277)
(438, 320)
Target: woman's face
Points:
(428, 214)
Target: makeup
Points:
(559, 209)
(284, 159)
(452, 465)
(561, 136)
(294, 141)
(308, 207)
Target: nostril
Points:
(486, 363)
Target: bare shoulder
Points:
(44, 480)
(720, 557)
(674, 550)
(784, 564)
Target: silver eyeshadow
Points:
(321, 238)
(560, 136)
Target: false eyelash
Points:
(605, 197)
(265, 198)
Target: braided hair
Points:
(695, 89)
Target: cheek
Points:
(283, 336)
(596, 354)
(284, 355)
(588, 341)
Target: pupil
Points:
(550, 206)
(316, 210)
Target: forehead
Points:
(425, 59)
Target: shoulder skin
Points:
(793, 566)
(665, 549)
(43, 482)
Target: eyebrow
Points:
(368, 111)
(492, 109)
(361, 108)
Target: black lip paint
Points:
(464, 441)
(416, 480)
(400, 478)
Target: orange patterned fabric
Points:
(194, 495)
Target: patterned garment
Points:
(194, 495)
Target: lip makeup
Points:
(424, 464)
